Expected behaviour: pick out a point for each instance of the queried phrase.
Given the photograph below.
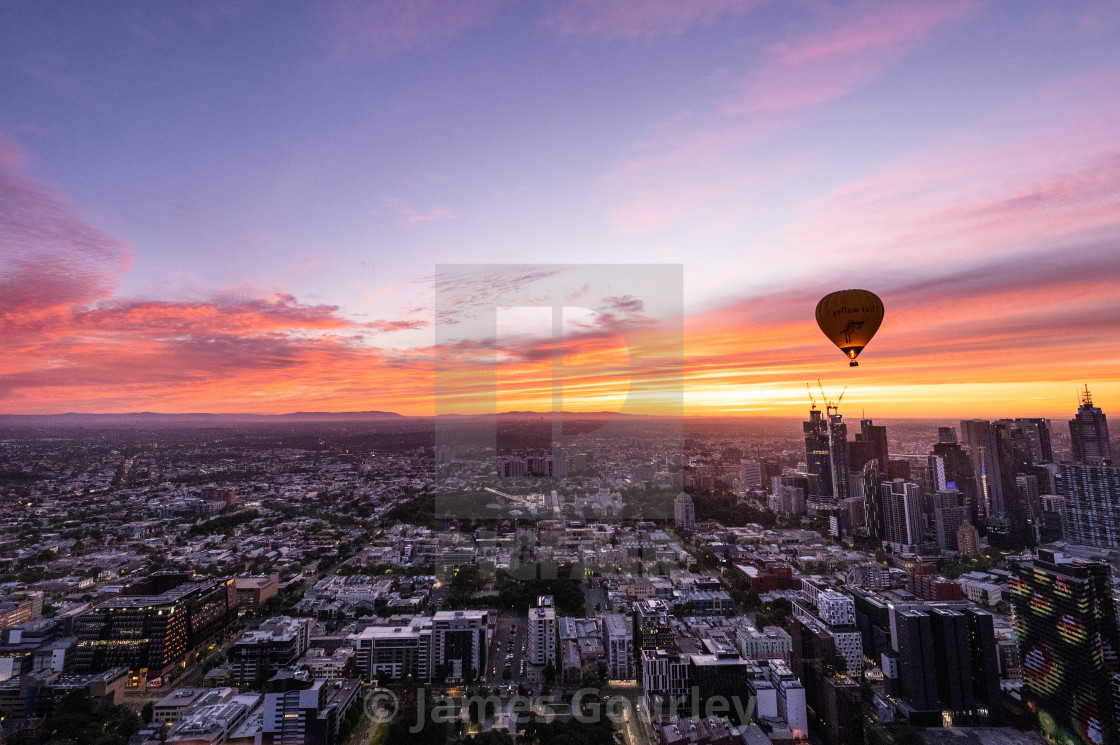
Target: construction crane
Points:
(812, 403)
(830, 408)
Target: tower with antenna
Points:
(838, 455)
(1088, 432)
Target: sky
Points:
(278, 206)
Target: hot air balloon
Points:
(849, 318)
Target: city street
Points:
(500, 646)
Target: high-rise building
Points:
(542, 636)
(949, 513)
(750, 474)
(902, 514)
(818, 461)
(870, 444)
(684, 512)
(838, 454)
(459, 643)
(785, 497)
(395, 652)
(951, 468)
(968, 540)
(947, 665)
(300, 709)
(989, 445)
(1030, 442)
(261, 653)
(1088, 433)
(618, 642)
(1030, 501)
(153, 625)
(651, 621)
(1065, 621)
(1092, 504)
(830, 692)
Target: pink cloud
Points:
(52, 257)
(822, 66)
(390, 27)
(980, 191)
(416, 215)
(158, 23)
(641, 19)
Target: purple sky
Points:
(295, 171)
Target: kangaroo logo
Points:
(852, 326)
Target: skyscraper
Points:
(902, 514)
(947, 665)
(989, 446)
(1030, 441)
(949, 513)
(1092, 507)
(1065, 620)
(870, 444)
(951, 468)
(1088, 432)
(838, 454)
(818, 461)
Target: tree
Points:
(549, 673)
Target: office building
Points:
(947, 667)
(151, 631)
(902, 514)
(949, 513)
(1065, 621)
(1030, 442)
(838, 454)
(1088, 432)
(1092, 504)
(818, 458)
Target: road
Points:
(507, 641)
(595, 594)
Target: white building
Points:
(618, 640)
(684, 511)
(791, 698)
(984, 593)
(664, 673)
(542, 636)
(836, 609)
(849, 645)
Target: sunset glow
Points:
(241, 207)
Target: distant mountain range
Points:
(149, 418)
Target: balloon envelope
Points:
(849, 318)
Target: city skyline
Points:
(235, 207)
